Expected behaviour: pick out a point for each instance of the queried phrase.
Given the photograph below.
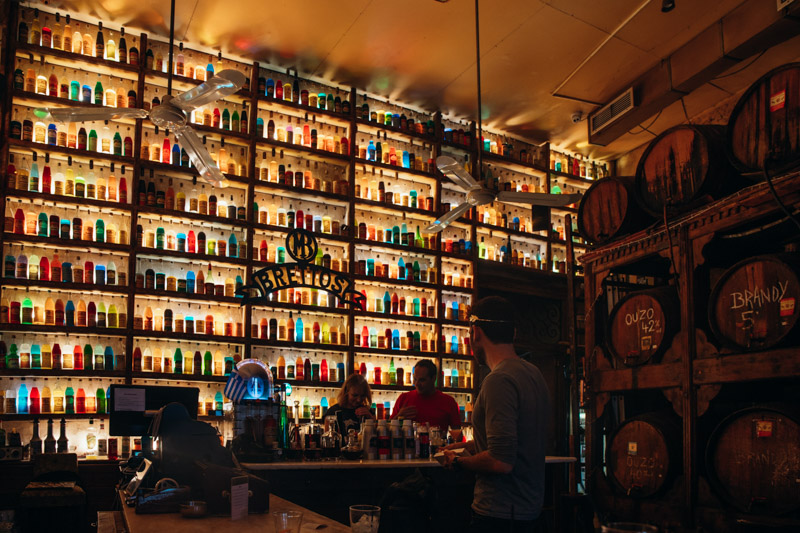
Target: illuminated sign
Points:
(302, 246)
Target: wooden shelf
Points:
(402, 283)
(366, 204)
(200, 378)
(73, 152)
(68, 330)
(728, 368)
(64, 243)
(195, 258)
(243, 92)
(391, 246)
(524, 166)
(175, 296)
(60, 200)
(63, 373)
(54, 416)
(341, 119)
(304, 308)
(395, 168)
(202, 337)
(214, 221)
(323, 155)
(301, 193)
(661, 376)
(285, 231)
(398, 352)
(507, 231)
(376, 127)
(62, 286)
(191, 171)
(300, 345)
(78, 59)
(396, 317)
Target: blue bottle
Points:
(108, 358)
(22, 400)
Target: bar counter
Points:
(175, 523)
(330, 487)
(344, 464)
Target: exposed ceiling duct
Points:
(753, 26)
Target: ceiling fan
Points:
(172, 114)
(478, 194)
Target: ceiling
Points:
(541, 60)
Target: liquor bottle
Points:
(36, 441)
(91, 438)
(50, 440)
(102, 440)
(122, 48)
(62, 445)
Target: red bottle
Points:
(78, 358)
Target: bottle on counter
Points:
(397, 439)
(384, 441)
(91, 438)
(50, 440)
(62, 444)
(369, 439)
(409, 449)
(102, 440)
(331, 439)
(423, 434)
(36, 441)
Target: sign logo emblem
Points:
(301, 245)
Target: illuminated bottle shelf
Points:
(72, 330)
(330, 174)
(78, 60)
(74, 152)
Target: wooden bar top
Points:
(367, 463)
(175, 523)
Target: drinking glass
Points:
(365, 518)
(629, 527)
(287, 521)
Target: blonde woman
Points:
(352, 404)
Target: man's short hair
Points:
(495, 316)
(428, 365)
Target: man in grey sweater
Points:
(510, 421)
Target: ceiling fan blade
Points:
(87, 114)
(226, 82)
(200, 157)
(453, 170)
(445, 220)
(537, 198)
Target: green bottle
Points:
(208, 364)
(92, 143)
(177, 362)
(98, 92)
(226, 119)
(69, 401)
(101, 400)
(117, 144)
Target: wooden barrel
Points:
(753, 460)
(766, 122)
(682, 168)
(644, 454)
(642, 324)
(754, 305)
(608, 209)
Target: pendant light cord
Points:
(171, 45)
(478, 65)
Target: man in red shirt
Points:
(426, 404)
